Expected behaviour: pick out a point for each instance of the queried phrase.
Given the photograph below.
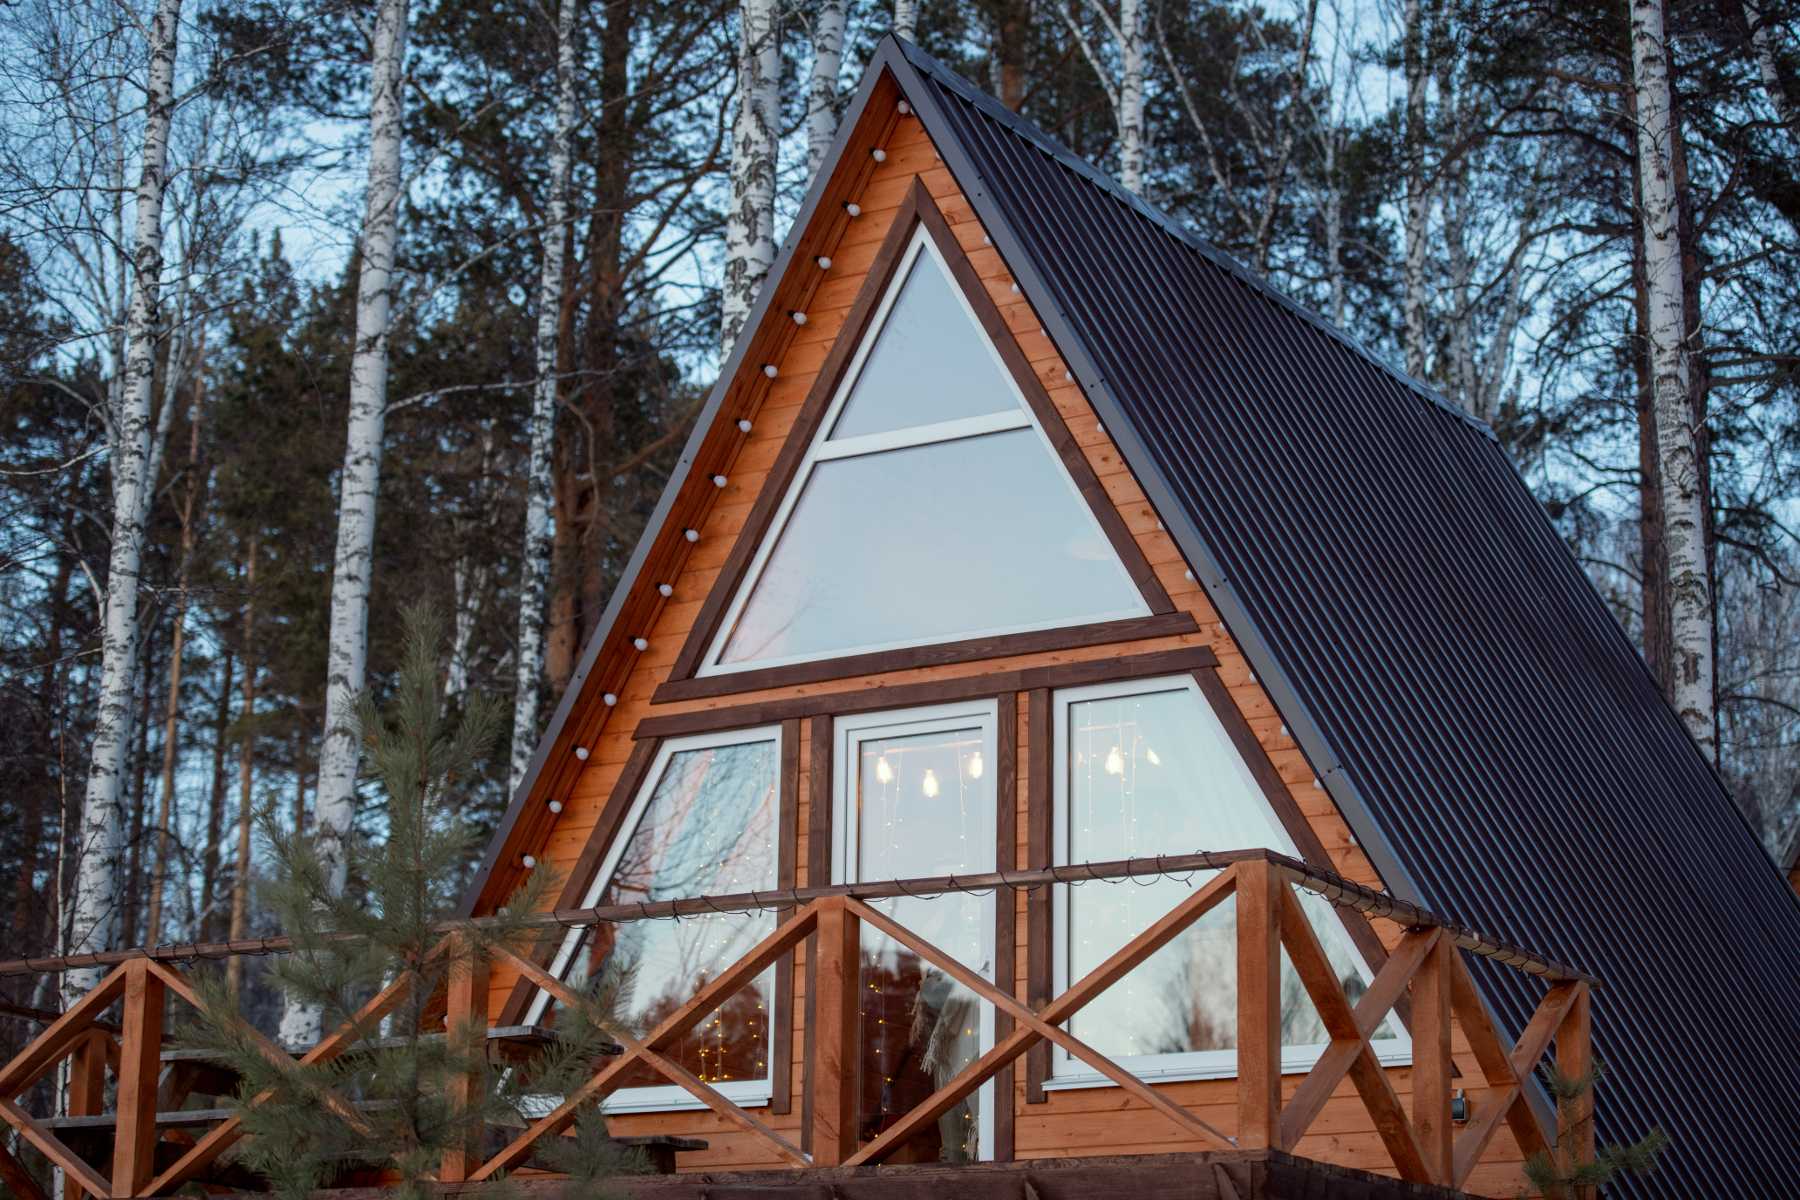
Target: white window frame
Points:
(824, 449)
(1067, 1072)
(848, 733)
(746, 1093)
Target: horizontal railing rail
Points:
(1423, 965)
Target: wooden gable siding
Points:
(1063, 1123)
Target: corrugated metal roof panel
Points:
(1491, 733)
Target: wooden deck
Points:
(1219, 1175)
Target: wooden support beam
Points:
(465, 1027)
(1259, 1004)
(1432, 1066)
(18, 1180)
(837, 1043)
(51, 1148)
(87, 1090)
(1575, 1061)
(140, 1061)
(43, 1051)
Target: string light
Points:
(665, 590)
(853, 209)
(744, 425)
(799, 317)
(976, 767)
(581, 752)
(770, 370)
(929, 785)
(556, 806)
(692, 535)
(884, 774)
(641, 643)
(1154, 758)
(878, 154)
(824, 261)
(609, 699)
(719, 481)
(1115, 762)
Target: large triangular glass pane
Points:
(935, 542)
(930, 362)
(1149, 773)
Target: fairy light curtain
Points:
(929, 496)
(925, 806)
(708, 827)
(1151, 772)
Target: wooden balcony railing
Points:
(1426, 964)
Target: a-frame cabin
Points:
(1022, 530)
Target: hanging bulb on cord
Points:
(883, 772)
(976, 766)
(1115, 762)
(930, 784)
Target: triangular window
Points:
(931, 508)
(1143, 769)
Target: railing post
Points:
(1431, 1060)
(140, 1060)
(1259, 1003)
(1575, 1060)
(87, 1092)
(834, 1077)
(465, 1028)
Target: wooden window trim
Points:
(1101, 633)
(1039, 802)
(820, 741)
(916, 209)
(936, 691)
(1006, 844)
(587, 865)
(781, 1012)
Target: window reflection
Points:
(708, 829)
(925, 807)
(1147, 774)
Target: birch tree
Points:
(822, 84)
(906, 19)
(535, 570)
(1763, 32)
(1129, 35)
(750, 225)
(360, 482)
(1684, 501)
(93, 906)
(1416, 224)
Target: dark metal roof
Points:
(1491, 734)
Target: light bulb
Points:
(883, 772)
(1115, 762)
(976, 767)
(930, 783)
(1153, 756)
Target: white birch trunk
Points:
(822, 87)
(94, 907)
(535, 570)
(1418, 196)
(1684, 504)
(1762, 37)
(1133, 50)
(906, 19)
(750, 225)
(347, 654)
(1334, 228)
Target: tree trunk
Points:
(93, 914)
(240, 875)
(347, 661)
(1683, 498)
(906, 19)
(1763, 31)
(1133, 50)
(215, 809)
(822, 86)
(172, 708)
(535, 569)
(1418, 194)
(750, 225)
(131, 901)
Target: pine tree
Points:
(382, 1103)
(1563, 1176)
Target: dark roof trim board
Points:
(1208, 571)
(678, 477)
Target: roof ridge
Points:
(1047, 143)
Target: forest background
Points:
(311, 309)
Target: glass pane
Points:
(925, 806)
(709, 829)
(1153, 774)
(930, 363)
(933, 542)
